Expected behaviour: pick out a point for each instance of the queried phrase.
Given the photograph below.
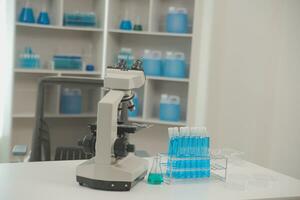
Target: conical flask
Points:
(155, 176)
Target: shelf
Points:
(94, 73)
(23, 116)
(70, 28)
(151, 33)
(82, 115)
(160, 78)
(156, 121)
(136, 119)
(34, 71)
(92, 115)
(55, 72)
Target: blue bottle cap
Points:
(90, 67)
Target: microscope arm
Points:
(107, 125)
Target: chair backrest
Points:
(71, 153)
(40, 148)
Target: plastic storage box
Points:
(169, 108)
(177, 20)
(63, 62)
(70, 101)
(152, 63)
(80, 19)
(174, 65)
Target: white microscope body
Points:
(105, 171)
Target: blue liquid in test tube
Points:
(193, 144)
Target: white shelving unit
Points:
(105, 41)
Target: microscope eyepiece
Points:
(138, 65)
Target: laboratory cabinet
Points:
(98, 44)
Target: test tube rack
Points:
(176, 169)
(189, 156)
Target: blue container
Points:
(135, 112)
(152, 67)
(67, 62)
(80, 19)
(27, 15)
(174, 68)
(125, 25)
(70, 101)
(177, 23)
(169, 112)
(90, 68)
(43, 18)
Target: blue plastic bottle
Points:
(169, 109)
(177, 20)
(152, 63)
(174, 65)
(71, 101)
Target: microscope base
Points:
(109, 185)
(119, 176)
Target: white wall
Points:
(254, 81)
(6, 70)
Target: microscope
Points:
(114, 166)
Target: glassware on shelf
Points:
(138, 25)
(155, 176)
(86, 19)
(169, 108)
(28, 59)
(177, 20)
(125, 23)
(43, 17)
(87, 55)
(27, 14)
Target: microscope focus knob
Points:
(130, 148)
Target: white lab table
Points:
(56, 180)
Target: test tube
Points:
(199, 153)
(175, 151)
(193, 144)
(176, 141)
(207, 153)
(171, 141)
